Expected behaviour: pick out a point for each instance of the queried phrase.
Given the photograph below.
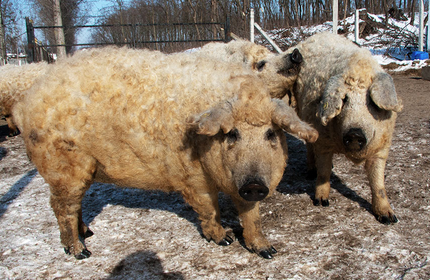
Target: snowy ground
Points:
(152, 235)
(387, 47)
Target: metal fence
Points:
(166, 37)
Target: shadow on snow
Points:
(15, 190)
(142, 265)
(295, 179)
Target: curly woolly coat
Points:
(14, 81)
(144, 119)
(278, 71)
(345, 94)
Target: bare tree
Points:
(69, 16)
(9, 39)
(59, 32)
(270, 14)
(2, 37)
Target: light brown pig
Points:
(278, 71)
(148, 120)
(14, 81)
(352, 103)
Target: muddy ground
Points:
(153, 235)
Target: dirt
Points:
(153, 235)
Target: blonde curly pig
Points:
(147, 120)
(346, 95)
(14, 81)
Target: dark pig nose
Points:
(354, 140)
(296, 56)
(253, 191)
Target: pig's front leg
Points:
(375, 168)
(322, 186)
(252, 231)
(205, 203)
(312, 169)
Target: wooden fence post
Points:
(227, 35)
(30, 40)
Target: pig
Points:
(278, 71)
(14, 81)
(148, 120)
(345, 94)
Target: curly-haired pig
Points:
(278, 71)
(14, 81)
(147, 120)
(345, 94)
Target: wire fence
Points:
(166, 37)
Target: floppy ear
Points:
(383, 93)
(210, 122)
(332, 99)
(286, 118)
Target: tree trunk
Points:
(59, 32)
(2, 36)
(412, 12)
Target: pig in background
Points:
(278, 71)
(14, 81)
(143, 119)
(345, 94)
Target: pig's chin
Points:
(356, 158)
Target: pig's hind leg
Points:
(13, 130)
(69, 173)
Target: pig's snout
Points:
(354, 140)
(253, 190)
(296, 57)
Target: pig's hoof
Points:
(88, 233)
(323, 202)
(83, 255)
(386, 220)
(267, 254)
(13, 133)
(226, 241)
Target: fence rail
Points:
(139, 35)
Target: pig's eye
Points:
(260, 65)
(345, 100)
(270, 135)
(233, 136)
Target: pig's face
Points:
(254, 157)
(245, 151)
(279, 72)
(362, 117)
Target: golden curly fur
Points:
(144, 119)
(352, 103)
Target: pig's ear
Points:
(383, 93)
(332, 99)
(210, 122)
(286, 118)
